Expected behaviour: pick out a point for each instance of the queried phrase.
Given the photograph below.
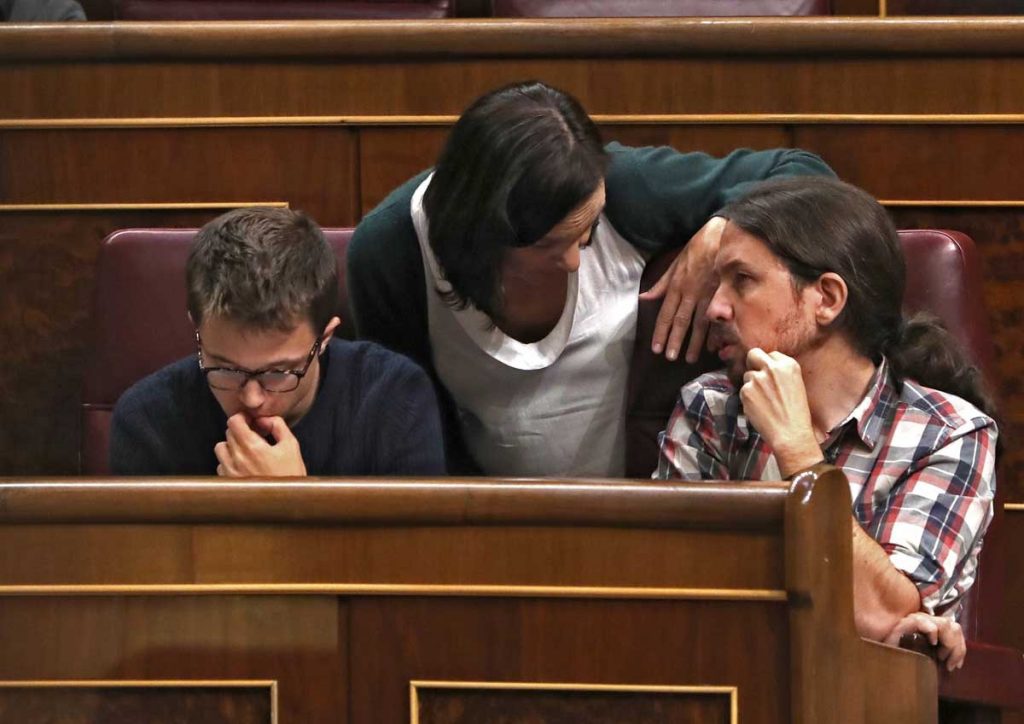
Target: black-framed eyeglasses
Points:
(230, 378)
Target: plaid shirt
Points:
(921, 466)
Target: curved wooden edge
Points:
(442, 501)
(580, 37)
(825, 651)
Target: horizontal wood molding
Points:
(511, 38)
(170, 206)
(373, 121)
(375, 589)
(134, 683)
(446, 501)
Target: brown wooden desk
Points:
(441, 601)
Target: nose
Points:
(251, 395)
(570, 260)
(719, 309)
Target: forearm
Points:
(882, 595)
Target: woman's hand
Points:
(687, 287)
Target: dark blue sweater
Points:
(375, 413)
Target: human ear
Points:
(328, 332)
(832, 296)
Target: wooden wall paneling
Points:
(445, 703)
(300, 642)
(923, 161)
(757, 85)
(554, 641)
(129, 703)
(390, 156)
(311, 168)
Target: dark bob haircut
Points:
(515, 164)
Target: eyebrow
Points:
(283, 363)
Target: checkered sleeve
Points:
(932, 524)
(690, 446)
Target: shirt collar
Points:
(871, 412)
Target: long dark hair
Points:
(515, 164)
(816, 225)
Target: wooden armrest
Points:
(991, 675)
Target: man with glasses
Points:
(269, 391)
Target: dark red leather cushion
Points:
(657, 8)
(280, 9)
(140, 321)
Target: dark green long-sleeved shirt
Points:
(656, 198)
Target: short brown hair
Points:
(264, 268)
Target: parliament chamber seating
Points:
(445, 596)
(281, 9)
(943, 278)
(141, 323)
(657, 8)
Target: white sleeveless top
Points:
(556, 407)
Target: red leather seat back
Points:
(657, 8)
(943, 277)
(281, 9)
(140, 322)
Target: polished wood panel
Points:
(342, 653)
(552, 704)
(308, 168)
(660, 643)
(741, 84)
(59, 703)
(298, 641)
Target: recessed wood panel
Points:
(398, 641)
(921, 161)
(115, 703)
(747, 84)
(546, 704)
(296, 641)
(310, 168)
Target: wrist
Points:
(797, 455)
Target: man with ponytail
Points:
(821, 365)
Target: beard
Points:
(791, 336)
